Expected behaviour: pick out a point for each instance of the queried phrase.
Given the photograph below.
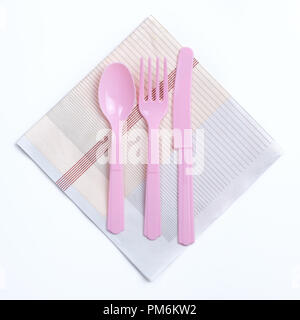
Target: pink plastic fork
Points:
(153, 110)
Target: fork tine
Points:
(141, 94)
(157, 80)
(165, 97)
(149, 80)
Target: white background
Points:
(48, 249)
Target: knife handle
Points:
(186, 233)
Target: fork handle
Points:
(186, 234)
(152, 219)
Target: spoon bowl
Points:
(116, 93)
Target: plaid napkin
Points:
(71, 140)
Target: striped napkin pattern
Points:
(71, 142)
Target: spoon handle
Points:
(115, 210)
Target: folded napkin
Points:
(71, 140)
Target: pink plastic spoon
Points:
(116, 98)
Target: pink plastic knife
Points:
(183, 144)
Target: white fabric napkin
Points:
(70, 142)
